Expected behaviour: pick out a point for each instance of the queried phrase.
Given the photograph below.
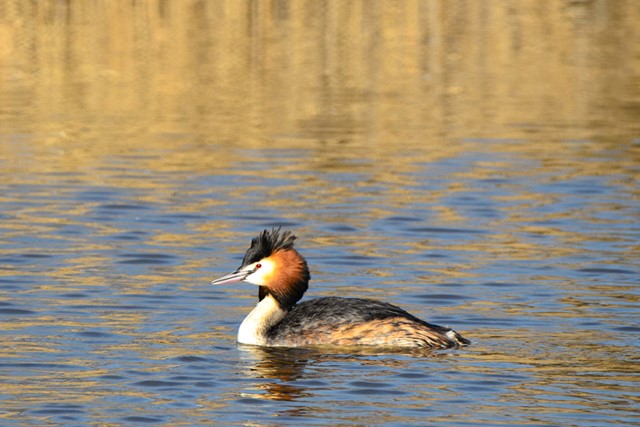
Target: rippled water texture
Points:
(473, 162)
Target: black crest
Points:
(266, 243)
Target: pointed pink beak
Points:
(236, 276)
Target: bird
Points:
(279, 320)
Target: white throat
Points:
(253, 329)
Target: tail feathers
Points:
(459, 339)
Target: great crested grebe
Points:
(282, 276)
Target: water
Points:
(473, 177)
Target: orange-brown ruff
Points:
(282, 276)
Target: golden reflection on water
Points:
(250, 73)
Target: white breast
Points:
(254, 327)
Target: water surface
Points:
(474, 163)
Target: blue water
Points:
(107, 315)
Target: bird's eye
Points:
(258, 266)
